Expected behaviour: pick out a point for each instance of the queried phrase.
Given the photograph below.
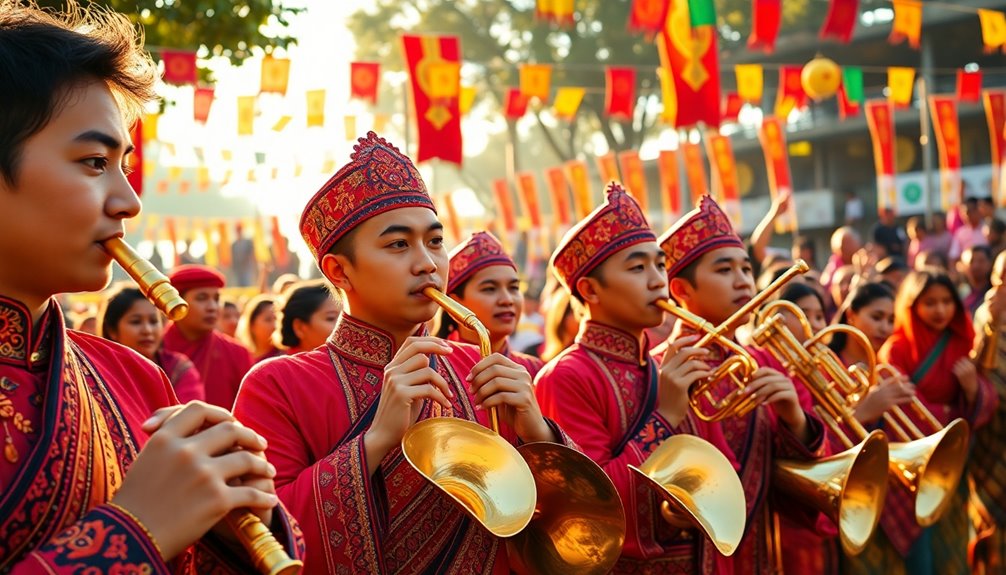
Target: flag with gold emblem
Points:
(689, 53)
(363, 80)
(433, 63)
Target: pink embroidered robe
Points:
(221, 361)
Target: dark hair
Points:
(114, 307)
(302, 300)
(253, 309)
(862, 296)
(230, 303)
(795, 291)
(344, 247)
(444, 325)
(916, 284)
(998, 226)
(891, 264)
(982, 249)
(44, 56)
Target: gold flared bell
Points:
(931, 469)
(477, 468)
(579, 523)
(698, 484)
(849, 488)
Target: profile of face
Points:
(724, 282)
(140, 328)
(204, 310)
(841, 282)
(228, 320)
(69, 178)
(313, 332)
(875, 320)
(493, 295)
(936, 307)
(627, 286)
(976, 267)
(264, 325)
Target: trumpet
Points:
(739, 367)
(558, 510)
(267, 554)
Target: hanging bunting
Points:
(567, 102)
(846, 106)
(669, 99)
(995, 116)
(948, 142)
(907, 22)
(993, 29)
(558, 189)
(701, 13)
(516, 104)
(880, 120)
(315, 108)
(791, 95)
(767, 16)
(695, 171)
(634, 178)
(363, 80)
(648, 16)
(246, 115)
(349, 124)
(212, 258)
(688, 51)
(852, 80)
(179, 67)
(969, 86)
(772, 136)
(169, 226)
(134, 161)
(202, 99)
(900, 81)
(150, 126)
(579, 180)
(732, 104)
(203, 178)
(465, 99)
(750, 82)
(536, 81)
(558, 12)
(380, 121)
(723, 169)
(281, 123)
(527, 188)
(435, 83)
(224, 247)
(620, 92)
(275, 75)
(608, 168)
(841, 20)
(670, 187)
(504, 204)
(259, 245)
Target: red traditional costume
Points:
(603, 391)
(182, 374)
(221, 360)
(759, 438)
(314, 407)
(478, 252)
(72, 406)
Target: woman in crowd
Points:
(256, 327)
(308, 315)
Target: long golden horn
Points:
(267, 554)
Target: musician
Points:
(604, 389)
(221, 360)
(335, 416)
(484, 279)
(709, 274)
(101, 471)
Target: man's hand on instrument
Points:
(408, 380)
(680, 369)
(769, 387)
(967, 375)
(497, 381)
(193, 470)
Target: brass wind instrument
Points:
(987, 351)
(558, 509)
(267, 554)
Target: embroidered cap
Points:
(378, 178)
(614, 226)
(479, 251)
(702, 230)
(192, 276)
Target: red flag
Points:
(435, 87)
(767, 15)
(995, 114)
(280, 254)
(179, 67)
(695, 170)
(202, 99)
(135, 165)
(504, 204)
(791, 95)
(558, 189)
(670, 186)
(516, 104)
(723, 168)
(634, 178)
(648, 15)
(846, 107)
(772, 136)
(363, 80)
(880, 121)
(689, 55)
(841, 20)
(608, 168)
(969, 86)
(948, 142)
(620, 95)
(732, 105)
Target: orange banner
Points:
(880, 120)
(635, 178)
(559, 191)
(275, 75)
(670, 187)
(907, 22)
(536, 81)
(579, 180)
(724, 175)
(607, 167)
(453, 223)
(995, 114)
(504, 205)
(695, 171)
(773, 143)
(202, 100)
(527, 187)
(948, 142)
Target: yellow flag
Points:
(174, 173)
(567, 102)
(315, 108)
(993, 29)
(262, 253)
(349, 122)
(750, 82)
(380, 121)
(668, 95)
(212, 255)
(536, 81)
(444, 80)
(246, 115)
(281, 123)
(203, 178)
(466, 99)
(150, 127)
(900, 81)
(275, 75)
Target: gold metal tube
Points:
(266, 553)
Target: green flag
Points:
(852, 81)
(702, 13)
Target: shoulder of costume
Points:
(99, 347)
(228, 340)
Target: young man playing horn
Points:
(335, 416)
(101, 471)
(709, 274)
(604, 389)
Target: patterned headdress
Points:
(614, 226)
(481, 250)
(702, 230)
(378, 178)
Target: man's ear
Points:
(681, 290)
(333, 267)
(587, 288)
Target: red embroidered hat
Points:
(702, 230)
(481, 250)
(192, 276)
(378, 178)
(614, 226)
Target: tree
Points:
(221, 27)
